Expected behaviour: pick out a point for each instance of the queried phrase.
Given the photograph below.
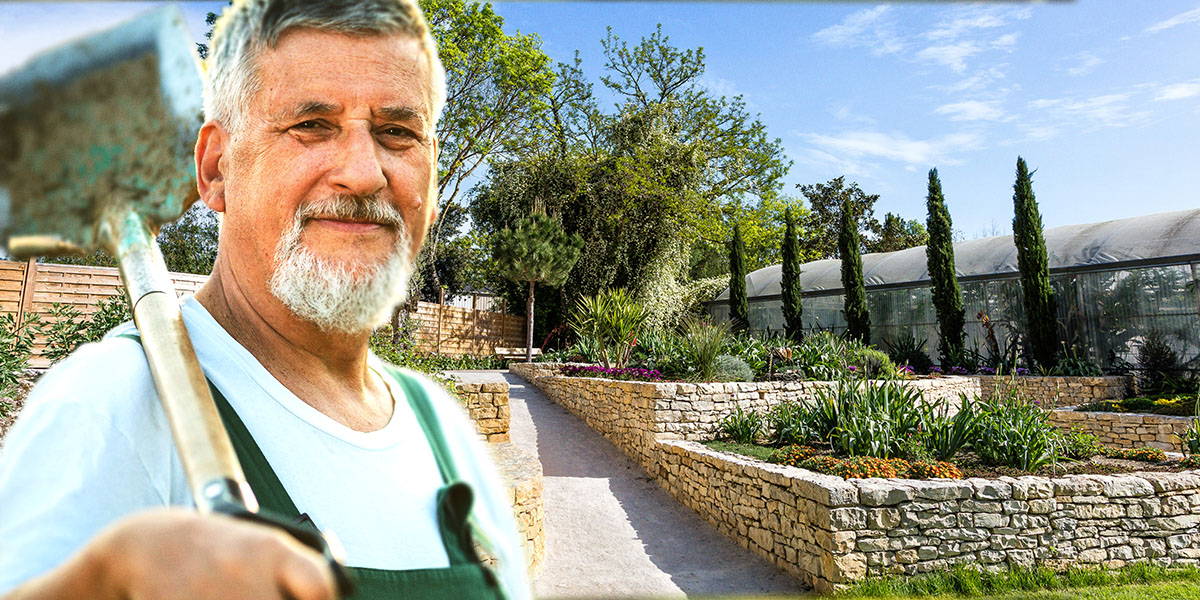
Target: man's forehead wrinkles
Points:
(400, 113)
(306, 108)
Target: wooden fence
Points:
(31, 288)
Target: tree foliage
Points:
(642, 183)
(897, 233)
(739, 310)
(939, 255)
(826, 202)
(792, 308)
(1040, 308)
(537, 250)
(858, 320)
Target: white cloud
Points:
(972, 18)
(1087, 62)
(976, 83)
(719, 86)
(1179, 91)
(972, 110)
(851, 168)
(869, 27)
(952, 55)
(1109, 110)
(1191, 16)
(846, 113)
(896, 147)
(1006, 41)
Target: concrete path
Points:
(611, 531)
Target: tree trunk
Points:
(529, 325)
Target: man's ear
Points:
(210, 179)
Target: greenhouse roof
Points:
(1158, 239)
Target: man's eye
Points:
(398, 132)
(307, 125)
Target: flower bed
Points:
(829, 531)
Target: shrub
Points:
(1013, 432)
(625, 374)
(731, 368)
(1072, 364)
(1157, 360)
(1079, 444)
(821, 356)
(613, 320)
(15, 346)
(876, 420)
(872, 363)
(1190, 440)
(792, 455)
(905, 350)
(933, 469)
(1143, 454)
(945, 436)
(789, 424)
(1190, 462)
(703, 344)
(741, 426)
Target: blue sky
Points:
(1102, 98)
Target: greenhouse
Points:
(1115, 283)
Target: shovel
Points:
(96, 140)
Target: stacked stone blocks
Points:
(1126, 430)
(487, 404)
(831, 532)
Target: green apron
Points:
(465, 578)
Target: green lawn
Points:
(1179, 590)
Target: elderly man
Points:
(320, 154)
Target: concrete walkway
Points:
(611, 531)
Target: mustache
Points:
(342, 207)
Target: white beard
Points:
(341, 297)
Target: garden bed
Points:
(830, 532)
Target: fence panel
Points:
(445, 329)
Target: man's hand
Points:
(171, 553)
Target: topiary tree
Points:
(739, 310)
(939, 255)
(792, 308)
(1040, 306)
(538, 250)
(858, 321)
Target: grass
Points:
(752, 450)
(1038, 583)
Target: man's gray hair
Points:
(248, 27)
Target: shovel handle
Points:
(214, 475)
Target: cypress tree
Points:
(858, 320)
(1040, 309)
(739, 311)
(792, 309)
(939, 255)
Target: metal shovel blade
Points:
(107, 120)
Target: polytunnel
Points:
(1115, 283)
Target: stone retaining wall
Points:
(831, 532)
(487, 403)
(1057, 391)
(691, 411)
(523, 472)
(1125, 430)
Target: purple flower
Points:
(853, 368)
(957, 370)
(935, 370)
(1022, 371)
(906, 369)
(987, 371)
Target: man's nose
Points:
(358, 170)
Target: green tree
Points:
(826, 202)
(792, 307)
(1033, 264)
(858, 320)
(897, 233)
(537, 250)
(739, 311)
(939, 255)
